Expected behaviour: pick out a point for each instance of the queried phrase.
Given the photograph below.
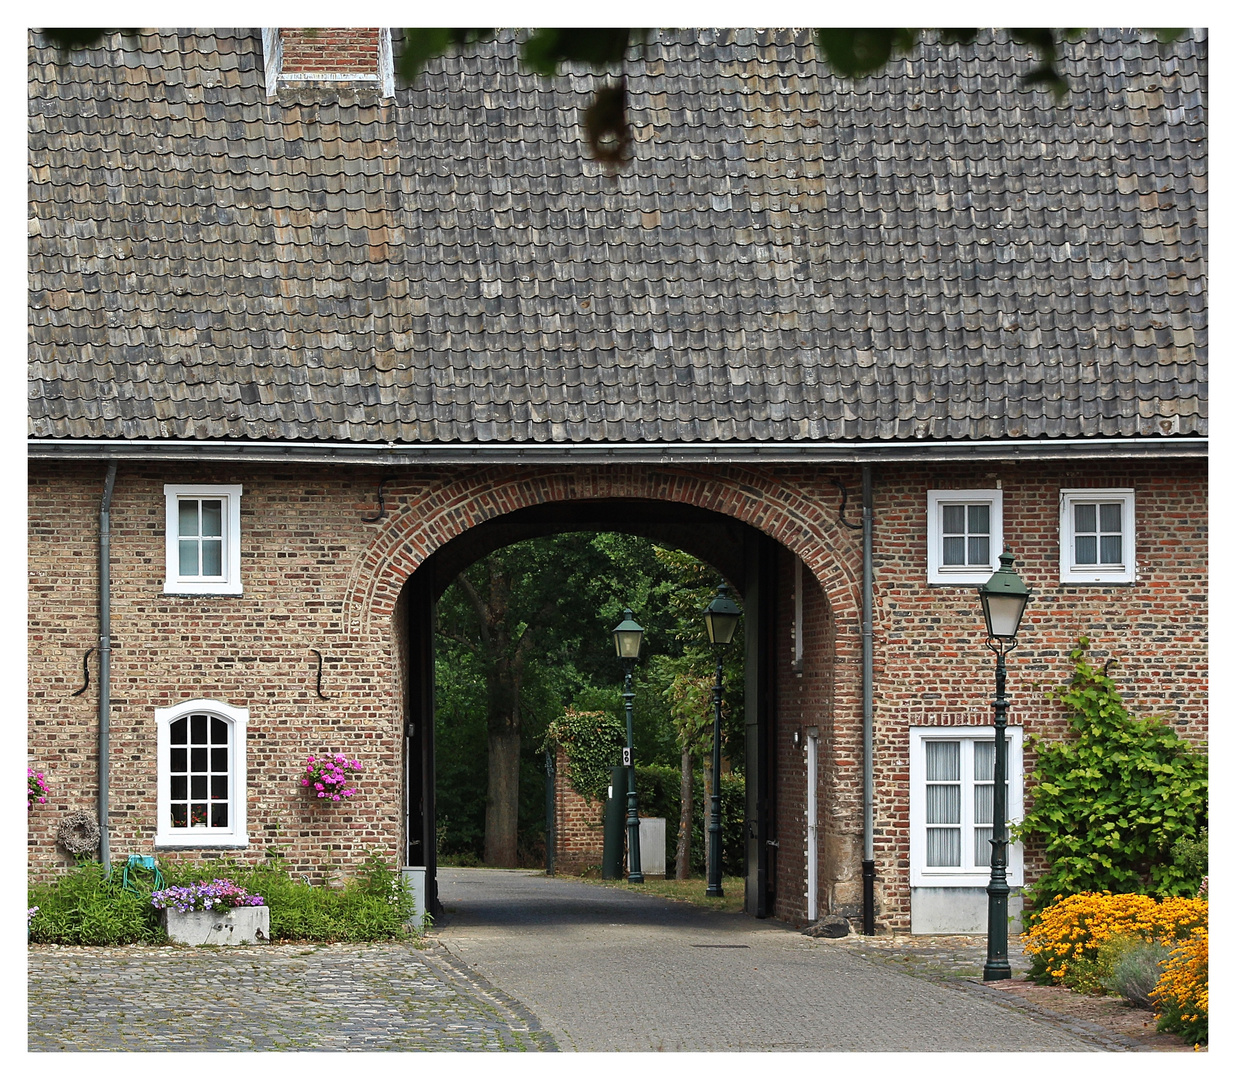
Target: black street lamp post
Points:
(628, 635)
(721, 617)
(1004, 599)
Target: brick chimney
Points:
(328, 57)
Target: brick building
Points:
(305, 343)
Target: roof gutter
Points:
(685, 453)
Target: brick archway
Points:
(799, 510)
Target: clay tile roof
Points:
(935, 252)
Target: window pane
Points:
(218, 731)
(212, 558)
(218, 786)
(197, 759)
(954, 518)
(1084, 517)
(188, 517)
(180, 760)
(980, 518)
(985, 760)
(218, 815)
(1109, 549)
(198, 813)
(954, 551)
(943, 760)
(984, 801)
(197, 787)
(179, 732)
(1109, 517)
(218, 759)
(198, 732)
(944, 804)
(180, 816)
(179, 787)
(943, 847)
(980, 548)
(212, 517)
(188, 558)
(982, 847)
(1086, 551)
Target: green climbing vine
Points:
(593, 742)
(1109, 804)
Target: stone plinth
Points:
(223, 926)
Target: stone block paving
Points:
(368, 997)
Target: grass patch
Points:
(690, 891)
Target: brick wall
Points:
(330, 50)
(579, 825)
(317, 577)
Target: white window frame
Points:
(1074, 573)
(937, 572)
(236, 833)
(227, 583)
(967, 874)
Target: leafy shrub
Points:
(1064, 939)
(1132, 967)
(593, 742)
(84, 907)
(1183, 993)
(374, 906)
(1191, 857)
(1109, 804)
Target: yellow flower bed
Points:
(1183, 992)
(1065, 941)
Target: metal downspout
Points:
(105, 661)
(868, 680)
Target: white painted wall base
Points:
(957, 911)
(652, 846)
(414, 879)
(227, 926)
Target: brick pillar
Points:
(580, 825)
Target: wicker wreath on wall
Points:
(78, 832)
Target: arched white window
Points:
(201, 786)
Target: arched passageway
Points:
(790, 634)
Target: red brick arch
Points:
(793, 506)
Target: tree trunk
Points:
(682, 858)
(502, 803)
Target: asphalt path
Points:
(605, 969)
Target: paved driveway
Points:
(606, 969)
(522, 962)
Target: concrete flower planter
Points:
(224, 926)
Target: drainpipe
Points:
(105, 661)
(868, 679)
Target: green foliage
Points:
(733, 825)
(375, 905)
(1131, 966)
(593, 742)
(1190, 856)
(84, 907)
(1110, 803)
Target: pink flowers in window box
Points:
(327, 777)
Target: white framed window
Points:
(201, 775)
(952, 772)
(965, 535)
(203, 538)
(1097, 535)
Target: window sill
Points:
(193, 843)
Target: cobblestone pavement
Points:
(522, 962)
(608, 969)
(268, 997)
